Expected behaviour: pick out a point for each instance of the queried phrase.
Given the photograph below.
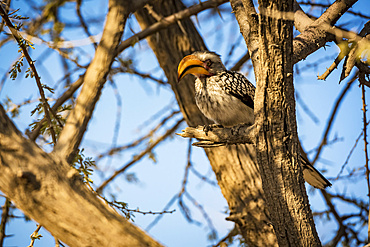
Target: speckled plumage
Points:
(226, 98)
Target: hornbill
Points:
(227, 98)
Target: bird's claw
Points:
(209, 127)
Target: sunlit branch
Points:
(229, 236)
(357, 48)
(334, 65)
(34, 235)
(316, 4)
(95, 78)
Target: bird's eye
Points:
(208, 62)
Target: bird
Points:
(227, 98)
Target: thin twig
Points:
(178, 195)
(306, 109)
(230, 235)
(203, 177)
(349, 154)
(139, 156)
(167, 21)
(4, 220)
(23, 46)
(203, 212)
(83, 23)
(364, 110)
(65, 96)
(343, 52)
(332, 117)
(135, 143)
(34, 236)
(159, 217)
(342, 228)
(241, 61)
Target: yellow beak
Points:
(190, 65)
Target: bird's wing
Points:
(237, 85)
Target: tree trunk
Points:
(276, 130)
(234, 166)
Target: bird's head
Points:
(201, 64)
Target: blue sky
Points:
(160, 181)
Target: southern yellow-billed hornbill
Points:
(227, 98)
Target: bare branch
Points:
(167, 21)
(83, 23)
(316, 35)
(95, 78)
(350, 154)
(343, 52)
(324, 139)
(240, 62)
(34, 235)
(316, 4)
(246, 16)
(139, 156)
(219, 136)
(4, 220)
(135, 143)
(364, 110)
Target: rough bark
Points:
(46, 189)
(276, 130)
(234, 166)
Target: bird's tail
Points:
(313, 176)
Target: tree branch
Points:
(4, 220)
(329, 124)
(46, 189)
(167, 21)
(94, 80)
(317, 34)
(139, 156)
(219, 136)
(246, 16)
(23, 45)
